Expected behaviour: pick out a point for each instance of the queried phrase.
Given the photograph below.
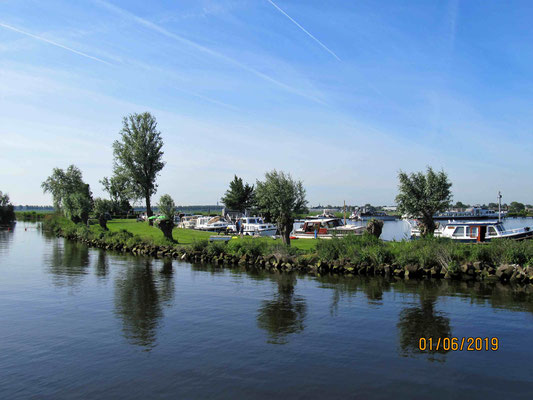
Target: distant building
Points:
(390, 208)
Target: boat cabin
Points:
(473, 231)
(321, 225)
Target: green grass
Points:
(189, 236)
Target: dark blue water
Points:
(80, 323)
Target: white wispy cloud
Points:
(42, 39)
(306, 31)
(213, 53)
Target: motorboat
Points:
(474, 213)
(256, 226)
(326, 228)
(214, 224)
(188, 221)
(365, 214)
(477, 231)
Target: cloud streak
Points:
(42, 39)
(213, 53)
(306, 31)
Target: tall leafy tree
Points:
(121, 192)
(167, 208)
(7, 211)
(101, 208)
(71, 194)
(62, 183)
(138, 154)
(78, 205)
(239, 196)
(423, 195)
(282, 198)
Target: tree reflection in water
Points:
(67, 262)
(423, 322)
(285, 314)
(102, 264)
(140, 296)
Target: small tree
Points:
(375, 227)
(239, 196)
(423, 195)
(78, 205)
(167, 208)
(281, 197)
(63, 183)
(7, 211)
(121, 192)
(138, 155)
(101, 208)
(71, 194)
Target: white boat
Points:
(474, 213)
(256, 226)
(366, 214)
(326, 228)
(188, 221)
(213, 224)
(477, 231)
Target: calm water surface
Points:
(80, 323)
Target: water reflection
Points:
(67, 262)
(423, 321)
(285, 314)
(6, 237)
(102, 264)
(140, 295)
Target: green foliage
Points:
(282, 198)
(422, 195)
(247, 246)
(167, 207)
(215, 249)
(70, 193)
(199, 244)
(121, 191)
(516, 207)
(7, 211)
(138, 154)
(62, 183)
(102, 206)
(78, 205)
(239, 196)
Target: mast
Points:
(499, 206)
(344, 212)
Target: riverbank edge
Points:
(307, 263)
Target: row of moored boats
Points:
(474, 225)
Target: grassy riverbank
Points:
(437, 258)
(32, 216)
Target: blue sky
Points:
(341, 94)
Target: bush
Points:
(247, 246)
(215, 249)
(199, 245)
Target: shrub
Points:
(199, 245)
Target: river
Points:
(82, 323)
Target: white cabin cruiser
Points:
(477, 231)
(326, 228)
(214, 224)
(188, 221)
(256, 226)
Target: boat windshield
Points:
(491, 231)
(334, 223)
(459, 231)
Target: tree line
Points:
(138, 160)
